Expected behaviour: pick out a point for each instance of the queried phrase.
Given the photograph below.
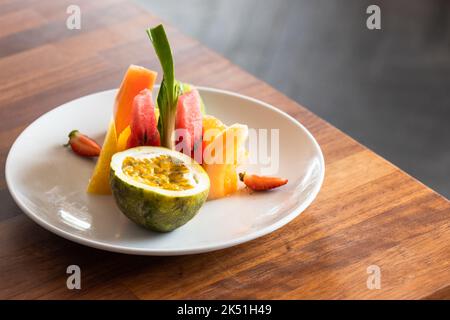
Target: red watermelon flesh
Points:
(144, 131)
(189, 117)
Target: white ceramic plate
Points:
(48, 181)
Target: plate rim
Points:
(102, 245)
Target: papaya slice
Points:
(136, 79)
(99, 182)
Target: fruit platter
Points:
(164, 169)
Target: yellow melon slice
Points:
(156, 115)
(223, 180)
(99, 182)
(211, 127)
(123, 139)
(228, 148)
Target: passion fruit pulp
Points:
(158, 188)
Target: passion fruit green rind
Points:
(154, 211)
(153, 208)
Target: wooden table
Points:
(368, 212)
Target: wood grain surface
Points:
(368, 212)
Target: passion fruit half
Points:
(158, 188)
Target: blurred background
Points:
(388, 88)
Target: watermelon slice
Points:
(144, 131)
(189, 117)
(186, 87)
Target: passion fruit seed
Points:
(161, 171)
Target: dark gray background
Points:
(388, 88)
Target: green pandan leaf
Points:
(170, 88)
